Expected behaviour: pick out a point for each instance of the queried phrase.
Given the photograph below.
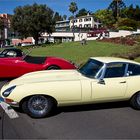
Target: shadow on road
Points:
(91, 107)
(81, 108)
(98, 106)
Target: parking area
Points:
(105, 121)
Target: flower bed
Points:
(121, 40)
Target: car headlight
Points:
(7, 92)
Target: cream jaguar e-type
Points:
(100, 79)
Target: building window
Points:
(75, 20)
(80, 20)
(87, 25)
(80, 25)
(87, 19)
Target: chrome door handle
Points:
(122, 82)
(101, 81)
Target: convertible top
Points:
(35, 59)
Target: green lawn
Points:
(138, 59)
(77, 53)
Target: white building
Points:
(87, 21)
(64, 37)
(62, 26)
(63, 29)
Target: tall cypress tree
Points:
(116, 6)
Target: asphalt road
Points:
(102, 121)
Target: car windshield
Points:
(25, 54)
(13, 52)
(3, 52)
(91, 68)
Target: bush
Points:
(121, 40)
(135, 53)
(125, 28)
(126, 22)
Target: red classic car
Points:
(14, 63)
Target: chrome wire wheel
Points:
(135, 101)
(138, 99)
(38, 106)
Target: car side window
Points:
(11, 54)
(133, 70)
(115, 70)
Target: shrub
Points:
(135, 53)
(125, 28)
(127, 23)
(121, 40)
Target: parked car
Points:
(24, 44)
(14, 63)
(11, 52)
(99, 80)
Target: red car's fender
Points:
(15, 67)
(59, 62)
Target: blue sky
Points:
(61, 6)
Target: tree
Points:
(82, 12)
(57, 17)
(70, 18)
(1, 23)
(73, 8)
(129, 12)
(32, 20)
(64, 17)
(1, 27)
(105, 17)
(133, 13)
(137, 13)
(127, 23)
(116, 6)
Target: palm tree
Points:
(116, 6)
(73, 8)
(64, 17)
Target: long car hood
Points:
(46, 76)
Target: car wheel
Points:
(53, 68)
(38, 106)
(135, 101)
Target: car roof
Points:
(16, 49)
(113, 59)
(12, 49)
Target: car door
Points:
(133, 79)
(113, 85)
(14, 67)
(9, 67)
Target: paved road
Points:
(116, 120)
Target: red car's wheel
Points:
(53, 68)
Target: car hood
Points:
(46, 76)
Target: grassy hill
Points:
(79, 53)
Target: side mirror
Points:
(101, 81)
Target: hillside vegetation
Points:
(80, 53)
